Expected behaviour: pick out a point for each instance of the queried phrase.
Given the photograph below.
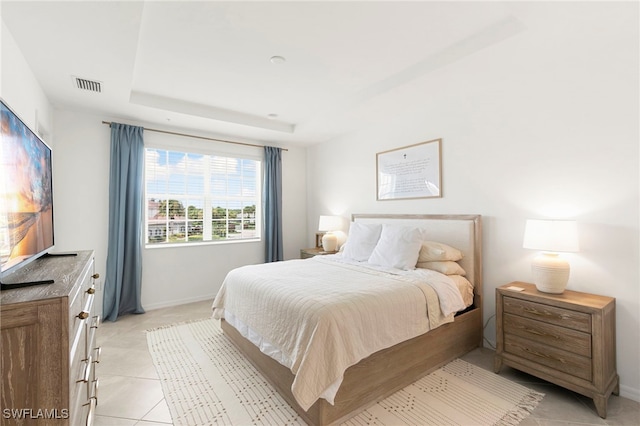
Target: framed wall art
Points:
(412, 171)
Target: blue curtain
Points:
(273, 203)
(122, 288)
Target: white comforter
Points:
(323, 315)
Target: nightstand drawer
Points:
(554, 358)
(549, 314)
(559, 337)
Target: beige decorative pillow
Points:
(446, 267)
(465, 288)
(432, 251)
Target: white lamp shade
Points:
(329, 223)
(551, 235)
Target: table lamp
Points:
(329, 224)
(550, 271)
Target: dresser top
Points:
(567, 298)
(64, 270)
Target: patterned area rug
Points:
(207, 381)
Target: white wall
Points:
(20, 89)
(544, 124)
(171, 275)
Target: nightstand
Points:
(315, 251)
(568, 339)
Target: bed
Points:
(328, 376)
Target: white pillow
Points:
(398, 247)
(433, 251)
(446, 267)
(361, 241)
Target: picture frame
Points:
(410, 172)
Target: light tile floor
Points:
(130, 392)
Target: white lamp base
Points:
(329, 242)
(550, 273)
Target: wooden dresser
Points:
(47, 341)
(568, 339)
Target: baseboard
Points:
(177, 302)
(630, 393)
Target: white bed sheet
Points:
(321, 315)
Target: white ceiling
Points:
(205, 66)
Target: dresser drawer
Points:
(554, 358)
(558, 337)
(92, 328)
(88, 287)
(80, 376)
(549, 314)
(76, 324)
(83, 400)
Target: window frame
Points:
(208, 197)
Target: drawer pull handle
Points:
(92, 409)
(87, 371)
(96, 321)
(95, 390)
(548, 314)
(541, 333)
(541, 355)
(95, 276)
(536, 312)
(83, 315)
(98, 353)
(91, 290)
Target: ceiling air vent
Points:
(90, 85)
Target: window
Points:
(195, 197)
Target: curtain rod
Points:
(199, 137)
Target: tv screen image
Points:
(26, 197)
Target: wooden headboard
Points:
(463, 232)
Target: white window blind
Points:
(193, 197)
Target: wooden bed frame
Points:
(389, 370)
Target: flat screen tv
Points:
(26, 194)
